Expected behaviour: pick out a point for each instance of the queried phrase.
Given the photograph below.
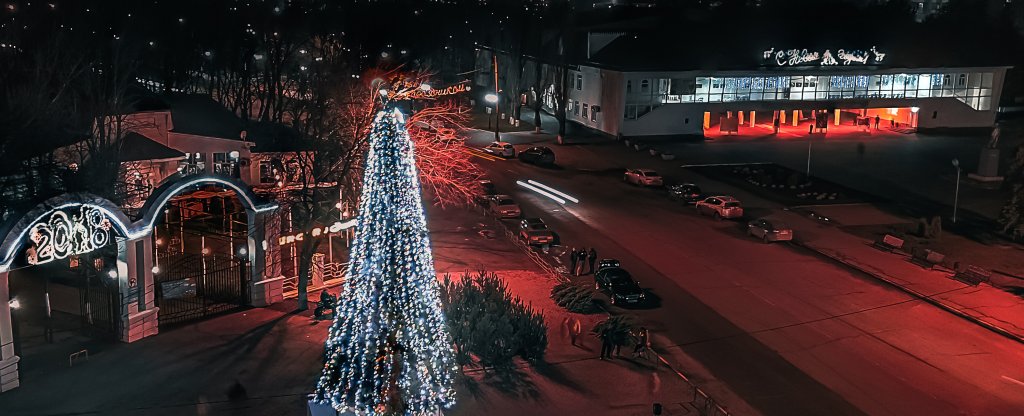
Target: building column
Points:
(139, 314)
(796, 117)
(707, 120)
(264, 288)
(837, 117)
(782, 117)
(8, 361)
(740, 113)
(753, 116)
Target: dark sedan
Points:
(619, 285)
(686, 192)
(538, 155)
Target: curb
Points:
(935, 302)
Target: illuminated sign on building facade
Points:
(64, 234)
(798, 57)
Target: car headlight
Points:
(642, 295)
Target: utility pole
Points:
(497, 103)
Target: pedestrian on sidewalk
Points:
(878, 121)
(810, 128)
(593, 259)
(642, 343)
(775, 124)
(574, 331)
(565, 328)
(892, 122)
(573, 258)
(606, 346)
(580, 261)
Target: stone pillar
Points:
(837, 117)
(740, 114)
(139, 314)
(265, 286)
(782, 117)
(796, 117)
(8, 361)
(753, 117)
(707, 120)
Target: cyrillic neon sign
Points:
(63, 235)
(795, 57)
(434, 93)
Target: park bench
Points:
(926, 258)
(888, 243)
(973, 275)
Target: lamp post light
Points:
(956, 194)
(493, 99)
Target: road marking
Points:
(481, 154)
(1013, 380)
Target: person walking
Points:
(642, 342)
(606, 346)
(581, 260)
(565, 328)
(775, 124)
(574, 330)
(878, 121)
(573, 258)
(892, 123)
(592, 256)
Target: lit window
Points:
(585, 107)
(579, 82)
(576, 108)
(645, 86)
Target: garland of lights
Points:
(388, 350)
(62, 235)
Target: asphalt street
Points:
(792, 333)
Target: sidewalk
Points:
(990, 307)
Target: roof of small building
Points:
(136, 147)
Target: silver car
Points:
(503, 206)
(643, 177)
(503, 149)
(720, 207)
(769, 230)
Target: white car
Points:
(448, 135)
(503, 149)
(721, 206)
(769, 230)
(643, 177)
(504, 207)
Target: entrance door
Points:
(194, 286)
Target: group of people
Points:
(641, 348)
(579, 257)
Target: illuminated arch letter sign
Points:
(798, 57)
(65, 233)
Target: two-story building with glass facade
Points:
(631, 85)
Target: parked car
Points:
(504, 207)
(448, 135)
(642, 177)
(538, 155)
(619, 285)
(720, 207)
(606, 263)
(686, 192)
(535, 232)
(503, 149)
(769, 230)
(489, 190)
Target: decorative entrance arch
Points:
(77, 223)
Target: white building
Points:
(641, 85)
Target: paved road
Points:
(790, 332)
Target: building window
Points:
(629, 86)
(645, 86)
(266, 172)
(961, 80)
(222, 164)
(576, 108)
(579, 82)
(570, 106)
(585, 107)
(593, 114)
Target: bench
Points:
(889, 243)
(926, 258)
(973, 275)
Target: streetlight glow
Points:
(491, 98)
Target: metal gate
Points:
(194, 286)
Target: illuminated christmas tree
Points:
(388, 350)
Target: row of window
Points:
(973, 89)
(586, 110)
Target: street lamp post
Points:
(493, 99)
(956, 194)
(810, 140)
(497, 90)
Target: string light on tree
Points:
(388, 350)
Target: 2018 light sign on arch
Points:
(65, 234)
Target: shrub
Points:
(488, 322)
(573, 297)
